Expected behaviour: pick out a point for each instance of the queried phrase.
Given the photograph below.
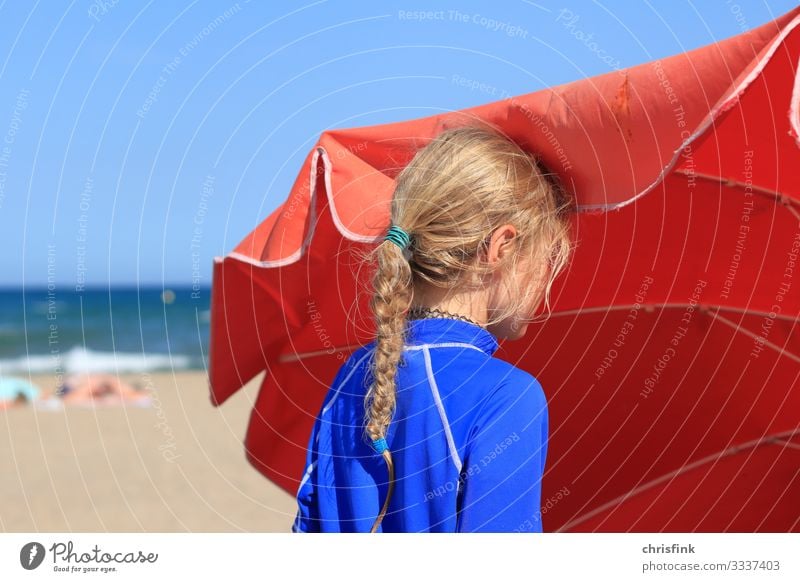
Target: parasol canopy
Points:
(670, 361)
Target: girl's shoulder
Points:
(512, 386)
(508, 373)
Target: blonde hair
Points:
(453, 194)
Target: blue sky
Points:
(138, 140)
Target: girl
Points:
(423, 430)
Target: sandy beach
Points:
(176, 466)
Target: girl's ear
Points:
(501, 243)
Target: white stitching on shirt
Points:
(306, 475)
(443, 345)
(435, 391)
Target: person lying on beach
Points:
(16, 392)
(99, 387)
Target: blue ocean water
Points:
(117, 329)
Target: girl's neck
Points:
(435, 313)
(472, 307)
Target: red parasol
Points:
(670, 362)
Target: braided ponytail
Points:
(392, 298)
(389, 304)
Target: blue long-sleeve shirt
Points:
(468, 440)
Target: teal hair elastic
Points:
(398, 236)
(380, 445)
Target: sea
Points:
(50, 330)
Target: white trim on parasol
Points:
(319, 151)
(709, 119)
(794, 107)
